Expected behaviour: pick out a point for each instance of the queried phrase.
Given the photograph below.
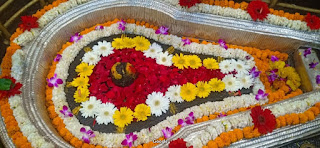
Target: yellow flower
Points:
(141, 43)
(84, 69)
(118, 43)
(194, 61)
(277, 65)
(128, 42)
(141, 112)
(81, 95)
(216, 85)
(180, 61)
(123, 117)
(204, 89)
(80, 82)
(210, 63)
(188, 92)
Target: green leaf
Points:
(5, 84)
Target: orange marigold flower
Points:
(220, 142)
(309, 114)
(315, 110)
(303, 118)
(212, 144)
(238, 133)
(295, 118)
(225, 137)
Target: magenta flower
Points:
(54, 81)
(273, 76)
(57, 58)
(122, 25)
(87, 135)
(188, 120)
(274, 58)
(130, 138)
(167, 132)
(221, 115)
(99, 27)
(306, 52)
(222, 43)
(261, 95)
(313, 65)
(318, 79)
(76, 37)
(162, 30)
(254, 73)
(65, 112)
(248, 57)
(186, 41)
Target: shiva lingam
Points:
(123, 74)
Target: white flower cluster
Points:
(17, 64)
(244, 119)
(155, 52)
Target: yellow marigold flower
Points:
(216, 85)
(194, 61)
(141, 112)
(128, 42)
(80, 82)
(81, 95)
(118, 43)
(188, 92)
(210, 63)
(204, 89)
(141, 43)
(84, 69)
(123, 117)
(180, 61)
(277, 65)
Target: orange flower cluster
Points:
(41, 12)
(226, 138)
(244, 5)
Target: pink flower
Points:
(167, 132)
(130, 138)
(274, 58)
(54, 81)
(221, 115)
(87, 135)
(65, 112)
(162, 30)
(306, 52)
(222, 43)
(186, 41)
(58, 57)
(318, 79)
(99, 27)
(188, 120)
(261, 95)
(122, 25)
(254, 73)
(76, 37)
(313, 65)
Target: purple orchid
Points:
(188, 120)
(318, 79)
(76, 37)
(254, 73)
(261, 95)
(313, 65)
(186, 41)
(222, 43)
(273, 76)
(87, 135)
(54, 81)
(122, 25)
(65, 112)
(130, 138)
(248, 57)
(274, 58)
(99, 27)
(167, 132)
(57, 58)
(221, 115)
(162, 30)
(306, 52)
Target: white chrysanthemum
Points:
(103, 48)
(173, 93)
(91, 58)
(90, 107)
(158, 103)
(105, 113)
(232, 84)
(153, 52)
(245, 80)
(164, 59)
(227, 66)
(241, 67)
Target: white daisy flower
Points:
(232, 84)
(91, 58)
(173, 93)
(105, 113)
(103, 48)
(227, 66)
(245, 80)
(90, 108)
(241, 67)
(164, 59)
(158, 103)
(153, 51)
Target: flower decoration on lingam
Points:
(123, 74)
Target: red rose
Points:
(264, 120)
(258, 10)
(188, 3)
(312, 21)
(179, 143)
